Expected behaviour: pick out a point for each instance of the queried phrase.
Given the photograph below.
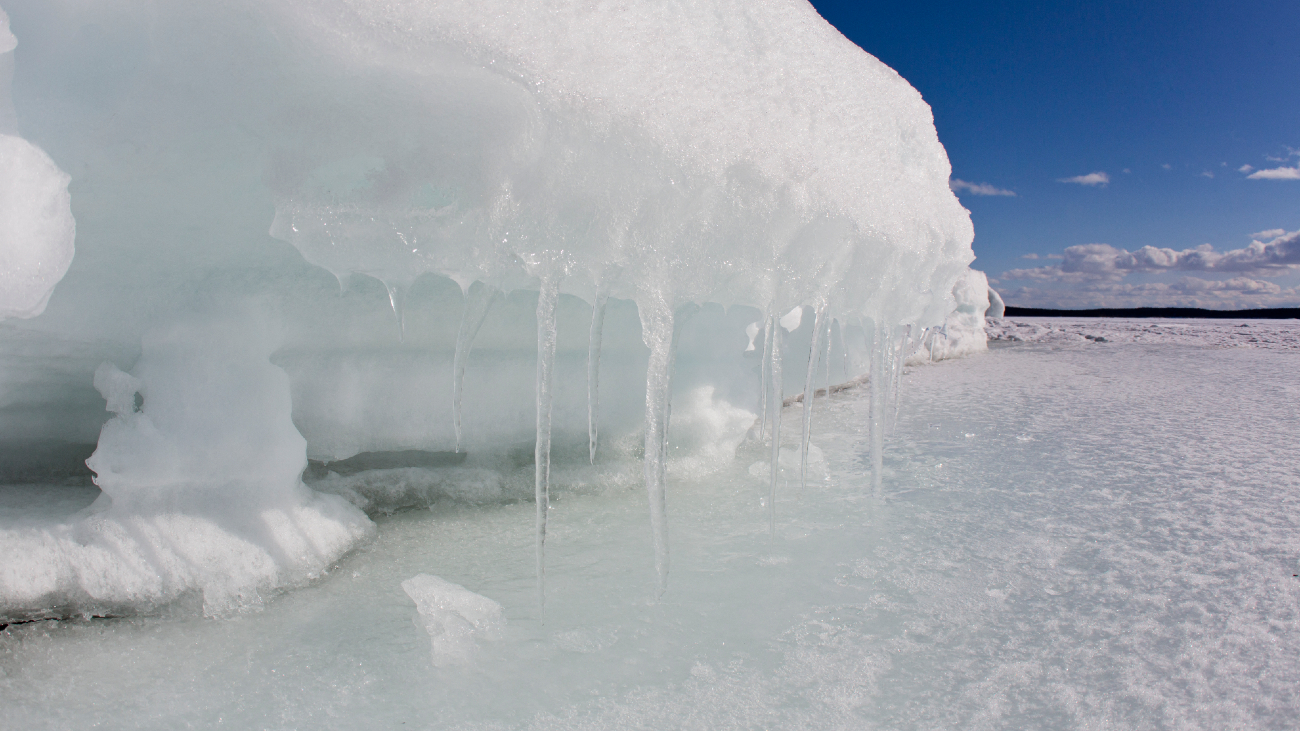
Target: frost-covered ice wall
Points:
(497, 186)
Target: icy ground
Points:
(1073, 535)
(1271, 334)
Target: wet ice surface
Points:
(1073, 536)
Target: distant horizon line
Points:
(1267, 313)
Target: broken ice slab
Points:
(454, 617)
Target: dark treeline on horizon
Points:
(1276, 313)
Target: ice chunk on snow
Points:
(454, 617)
(36, 225)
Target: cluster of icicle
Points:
(888, 348)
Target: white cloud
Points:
(958, 186)
(1093, 179)
(1280, 173)
(1103, 262)
(1029, 256)
(1245, 169)
(1268, 235)
(1207, 174)
(1237, 293)
(1167, 166)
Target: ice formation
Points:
(540, 239)
(202, 498)
(962, 331)
(454, 617)
(36, 225)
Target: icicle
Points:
(809, 390)
(897, 388)
(478, 300)
(397, 300)
(826, 354)
(777, 400)
(846, 357)
(547, 299)
(767, 356)
(657, 329)
(878, 347)
(680, 318)
(593, 369)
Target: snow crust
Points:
(1212, 333)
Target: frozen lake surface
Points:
(1073, 534)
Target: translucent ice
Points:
(454, 617)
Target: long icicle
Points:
(887, 382)
(809, 390)
(900, 358)
(593, 368)
(478, 300)
(657, 329)
(826, 351)
(777, 400)
(547, 299)
(764, 387)
(878, 349)
(680, 319)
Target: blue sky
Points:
(1166, 103)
